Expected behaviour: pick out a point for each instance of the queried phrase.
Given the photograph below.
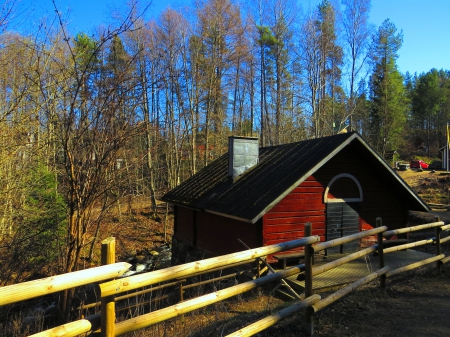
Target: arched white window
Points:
(343, 188)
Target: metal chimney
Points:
(243, 153)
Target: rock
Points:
(140, 267)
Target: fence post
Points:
(309, 253)
(379, 223)
(181, 292)
(437, 231)
(258, 268)
(108, 314)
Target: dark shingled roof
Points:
(280, 169)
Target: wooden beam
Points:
(336, 263)
(413, 228)
(445, 260)
(181, 308)
(437, 234)
(27, 290)
(446, 227)
(349, 238)
(408, 245)
(134, 294)
(309, 254)
(108, 306)
(444, 240)
(414, 265)
(72, 329)
(267, 322)
(380, 254)
(159, 276)
(344, 291)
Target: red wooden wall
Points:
(305, 203)
(184, 224)
(286, 220)
(213, 234)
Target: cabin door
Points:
(343, 196)
(342, 220)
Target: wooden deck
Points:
(355, 270)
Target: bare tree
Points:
(356, 33)
(92, 126)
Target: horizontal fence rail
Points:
(271, 320)
(75, 328)
(158, 276)
(413, 229)
(200, 302)
(415, 265)
(32, 289)
(344, 291)
(175, 277)
(347, 239)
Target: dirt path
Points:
(412, 305)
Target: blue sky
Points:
(426, 30)
(425, 24)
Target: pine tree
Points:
(387, 91)
(427, 100)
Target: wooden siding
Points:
(286, 220)
(184, 224)
(217, 235)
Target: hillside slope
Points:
(433, 188)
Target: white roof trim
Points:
(230, 216)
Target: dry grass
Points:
(432, 187)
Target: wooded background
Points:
(89, 120)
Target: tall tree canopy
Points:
(387, 91)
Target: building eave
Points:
(304, 177)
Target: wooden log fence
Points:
(346, 290)
(414, 265)
(159, 276)
(108, 300)
(181, 308)
(50, 285)
(271, 320)
(75, 328)
(104, 322)
(268, 266)
(413, 228)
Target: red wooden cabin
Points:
(265, 196)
